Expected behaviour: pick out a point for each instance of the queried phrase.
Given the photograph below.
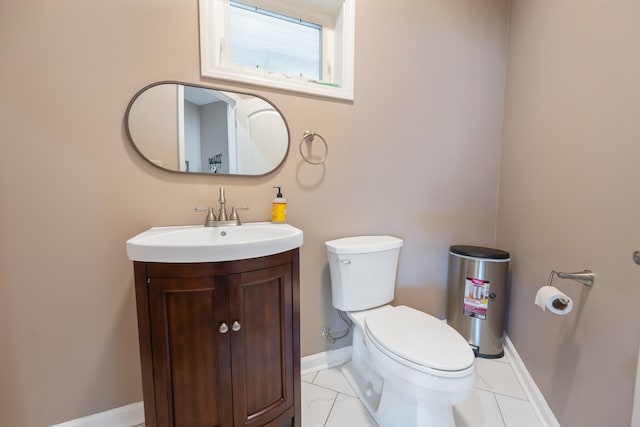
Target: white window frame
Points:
(337, 42)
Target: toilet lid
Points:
(419, 338)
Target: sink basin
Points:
(196, 243)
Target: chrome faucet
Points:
(222, 213)
(210, 221)
(222, 219)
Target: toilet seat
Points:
(419, 341)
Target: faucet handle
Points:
(211, 218)
(234, 213)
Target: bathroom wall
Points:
(415, 155)
(569, 199)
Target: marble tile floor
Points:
(498, 400)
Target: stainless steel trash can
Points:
(477, 297)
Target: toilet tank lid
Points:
(363, 244)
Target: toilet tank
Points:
(363, 271)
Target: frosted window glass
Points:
(273, 42)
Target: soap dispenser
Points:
(279, 209)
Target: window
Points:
(274, 42)
(299, 45)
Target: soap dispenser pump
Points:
(279, 208)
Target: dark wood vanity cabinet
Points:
(219, 342)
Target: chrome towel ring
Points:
(308, 137)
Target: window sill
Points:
(279, 81)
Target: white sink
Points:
(196, 243)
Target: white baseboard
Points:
(133, 414)
(539, 404)
(124, 416)
(324, 360)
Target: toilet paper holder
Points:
(554, 299)
(586, 277)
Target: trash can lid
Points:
(479, 252)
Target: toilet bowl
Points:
(408, 368)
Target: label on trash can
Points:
(476, 298)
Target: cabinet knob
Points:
(236, 326)
(223, 328)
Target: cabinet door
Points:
(190, 352)
(261, 350)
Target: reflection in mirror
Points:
(186, 128)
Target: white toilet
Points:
(408, 368)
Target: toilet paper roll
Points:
(549, 297)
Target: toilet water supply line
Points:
(329, 337)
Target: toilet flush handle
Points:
(344, 261)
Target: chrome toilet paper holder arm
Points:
(586, 277)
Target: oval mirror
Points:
(196, 129)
